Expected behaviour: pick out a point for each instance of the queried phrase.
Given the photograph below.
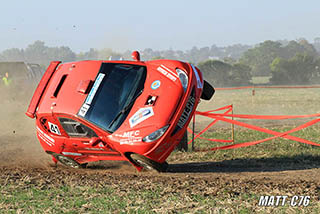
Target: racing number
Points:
(54, 128)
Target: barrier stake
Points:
(232, 125)
(193, 127)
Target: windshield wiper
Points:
(125, 109)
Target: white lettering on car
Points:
(94, 88)
(83, 110)
(129, 137)
(167, 73)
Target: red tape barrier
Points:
(280, 86)
(222, 117)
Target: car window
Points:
(75, 128)
(115, 87)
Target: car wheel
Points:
(148, 164)
(183, 144)
(67, 161)
(208, 91)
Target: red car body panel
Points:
(65, 87)
(40, 89)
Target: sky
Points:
(176, 24)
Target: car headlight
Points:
(155, 135)
(183, 78)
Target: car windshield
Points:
(112, 95)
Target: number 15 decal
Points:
(54, 128)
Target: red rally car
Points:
(116, 110)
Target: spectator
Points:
(6, 80)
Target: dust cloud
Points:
(18, 143)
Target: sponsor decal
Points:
(156, 84)
(128, 134)
(141, 115)
(46, 138)
(199, 83)
(94, 88)
(167, 73)
(83, 110)
(282, 200)
(94, 149)
(130, 141)
(187, 111)
(129, 137)
(151, 100)
(54, 128)
(72, 153)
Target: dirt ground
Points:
(23, 162)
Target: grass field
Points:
(187, 187)
(223, 181)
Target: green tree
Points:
(217, 72)
(157, 57)
(37, 53)
(222, 74)
(106, 53)
(13, 54)
(240, 74)
(261, 56)
(294, 47)
(92, 54)
(298, 70)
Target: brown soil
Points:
(298, 182)
(22, 161)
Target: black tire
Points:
(148, 164)
(208, 91)
(67, 161)
(183, 144)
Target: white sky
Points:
(176, 24)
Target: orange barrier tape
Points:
(283, 86)
(222, 117)
(284, 135)
(258, 117)
(229, 107)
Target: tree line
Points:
(285, 62)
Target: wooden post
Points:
(193, 128)
(232, 125)
(253, 93)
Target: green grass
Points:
(178, 194)
(260, 80)
(160, 197)
(279, 150)
(110, 200)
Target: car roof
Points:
(61, 94)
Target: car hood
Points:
(155, 107)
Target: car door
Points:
(78, 133)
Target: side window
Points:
(76, 129)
